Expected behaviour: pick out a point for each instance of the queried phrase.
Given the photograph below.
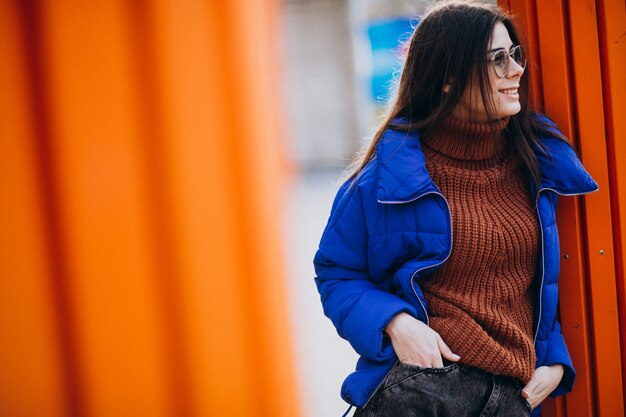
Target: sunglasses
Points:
(502, 58)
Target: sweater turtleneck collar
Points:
(469, 141)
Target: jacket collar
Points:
(561, 170)
(402, 174)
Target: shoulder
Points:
(352, 190)
(396, 172)
(560, 165)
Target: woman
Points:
(439, 263)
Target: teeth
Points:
(510, 91)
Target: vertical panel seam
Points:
(47, 181)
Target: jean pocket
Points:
(448, 366)
(527, 404)
(405, 372)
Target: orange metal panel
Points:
(261, 159)
(612, 32)
(100, 201)
(33, 381)
(525, 15)
(193, 92)
(218, 140)
(600, 254)
(555, 65)
(558, 97)
(156, 170)
(166, 275)
(576, 326)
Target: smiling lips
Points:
(510, 91)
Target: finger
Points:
(446, 352)
(415, 363)
(537, 396)
(531, 399)
(529, 390)
(438, 362)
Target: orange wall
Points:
(578, 61)
(140, 169)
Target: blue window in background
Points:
(387, 38)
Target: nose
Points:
(515, 69)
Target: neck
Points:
(463, 141)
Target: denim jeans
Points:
(456, 390)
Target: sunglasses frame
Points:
(508, 61)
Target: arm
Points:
(557, 354)
(358, 308)
(556, 376)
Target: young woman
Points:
(439, 263)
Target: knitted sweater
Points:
(481, 299)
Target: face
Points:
(504, 91)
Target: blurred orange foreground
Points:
(140, 164)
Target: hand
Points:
(417, 344)
(544, 380)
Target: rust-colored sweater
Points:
(481, 300)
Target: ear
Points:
(446, 88)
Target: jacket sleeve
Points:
(358, 308)
(557, 353)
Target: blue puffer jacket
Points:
(393, 228)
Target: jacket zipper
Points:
(430, 266)
(543, 266)
(415, 273)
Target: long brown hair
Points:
(448, 47)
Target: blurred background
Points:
(166, 172)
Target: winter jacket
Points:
(392, 228)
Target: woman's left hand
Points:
(545, 379)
